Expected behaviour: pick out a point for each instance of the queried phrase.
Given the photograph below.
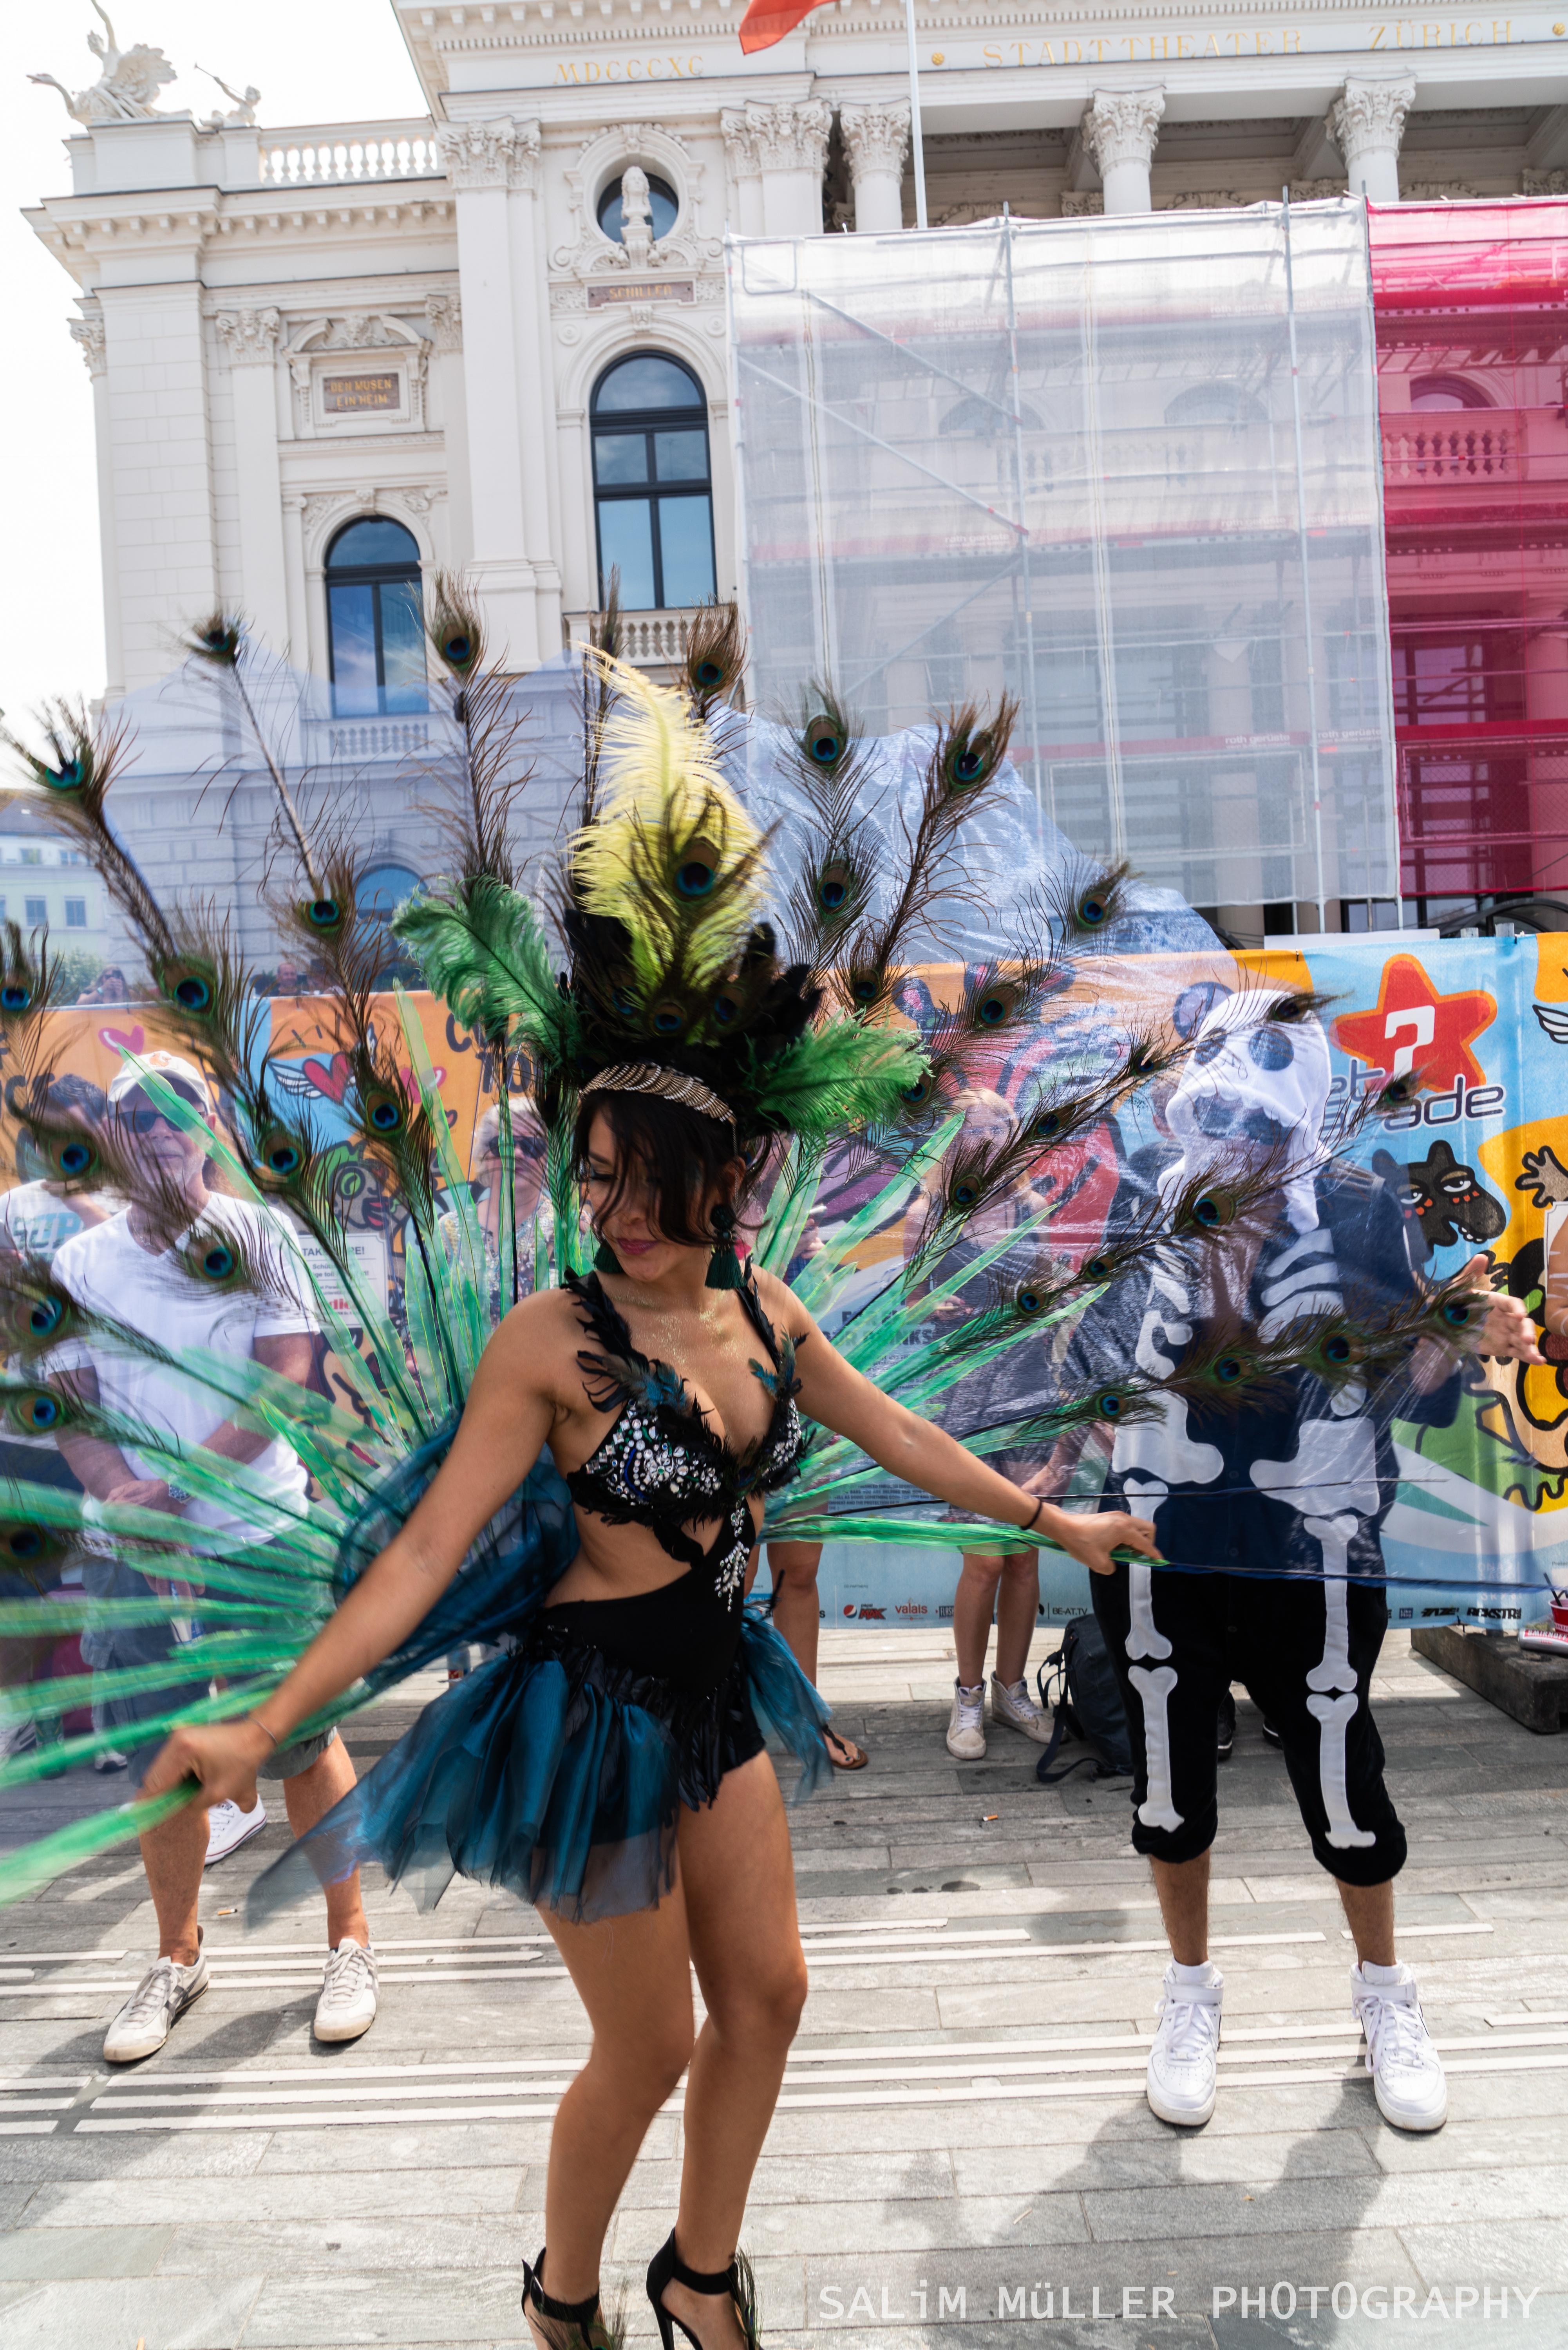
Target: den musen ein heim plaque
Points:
(347, 395)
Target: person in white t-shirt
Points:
(37, 1215)
(123, 1268)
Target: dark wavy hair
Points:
(684, 1156)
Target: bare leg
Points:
(745, 1943)
(798, 1616)
(174, 1854)
(1183, 1889)
(1017, 1613)
(973, 1604)
(796, 1607)
(307, 1797)
(1369, 1914)
(633, 1975)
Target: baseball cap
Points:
(172, 1065)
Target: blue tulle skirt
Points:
(554, 1771)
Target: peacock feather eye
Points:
(1092, 911)
(282, 1155)
(324, 914)
(1336, 1349)
(864, 991)
(39, 1411)
(189, 985)
(69, 776)
(1046, 1127)
(24, 1543)
(1229, 1369)
(668, 1020)
(75, 1159)
(216, 1261)
(45, 1317)
(1401, 1091)
(694, 880)
(920, 1091)
(964, 1194)
(833, 887)
(14, 996)
(1095, 1268)
(823, 742)
(1208, 1211)
(1456, 1312)
(384, 1114)
(709, 674)
(726, 1011)
(1109, 1404)
(970, 760)
(993, 1008)
(457, 650)
(217, 640)
(1029, 1301)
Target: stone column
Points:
(448, 401)
(744, 172)
(484, 161)
(88, 330)
(250, 342)
(792, 148)
(878, 139)
(1120, 128)
(1366, 122)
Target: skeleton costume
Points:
(1283, 1500)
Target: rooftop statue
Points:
(124, 90)
(245, 114)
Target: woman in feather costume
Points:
(595, 1485)
(588, 1477)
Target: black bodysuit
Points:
(660, 1465)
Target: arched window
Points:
(663, 205)
(1215, 403)
(375, 619)
(382, 891)
(1431, 393)
(653, 496)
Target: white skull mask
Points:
(1253, 1087)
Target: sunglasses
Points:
(145, 1116)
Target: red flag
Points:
(768, 21)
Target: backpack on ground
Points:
(1080, 1688)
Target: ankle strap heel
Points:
(667, 2267)
(558, 2319)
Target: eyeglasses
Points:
(144, 1116)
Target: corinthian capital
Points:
(876, 138)
(500, 154)
(1122, 126)
(444, 312)
(1368, 117)
(250, 336)
(740, 139)
(87, 332)
(790, 136)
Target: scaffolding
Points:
(1125, 469)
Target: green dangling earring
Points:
(605, 1259)
(724, 1266)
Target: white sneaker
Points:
(19, 1738)
(228, 1827)
(111, 1759)
(347, 2004)
(966, 1723)
(155, 2007)
(1183, 2061)
(1010, 1704)
(1407, 2070)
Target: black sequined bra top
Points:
(661, 1465)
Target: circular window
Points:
(663, 203)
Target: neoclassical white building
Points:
(328, 358)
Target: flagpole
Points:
(920, 152)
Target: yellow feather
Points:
(666, 795)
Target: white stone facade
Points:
(233, 278)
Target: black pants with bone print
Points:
(1304, 1651)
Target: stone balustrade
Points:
(335, 154)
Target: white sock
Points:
(1197, 1978)
(1381, 1976)
(968, 1693)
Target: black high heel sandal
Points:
(667, 2267)
(568, 2325)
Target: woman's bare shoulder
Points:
(538, 1339)
(780, 1303)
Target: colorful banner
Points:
(1478, 1532)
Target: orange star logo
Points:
(1416, 1027)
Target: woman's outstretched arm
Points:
(841, 1398)
(505, 1424)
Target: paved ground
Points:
(962, 2155)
